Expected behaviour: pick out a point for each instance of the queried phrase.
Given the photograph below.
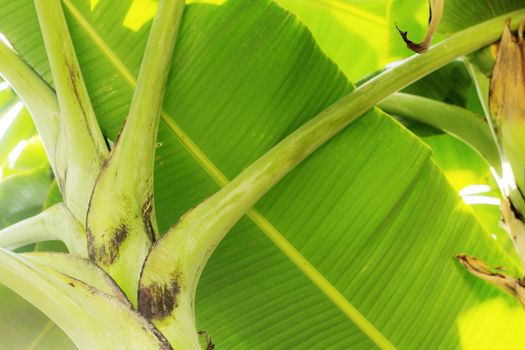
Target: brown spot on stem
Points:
(157, 301)
(209, 343)
(146, 211)
(90, 244)
(108, 251)
(74, 76)
(76, 79)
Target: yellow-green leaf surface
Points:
(463, 167)
(15, 123)
(360, 36)
(354, 249)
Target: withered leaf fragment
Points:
(494, 276)
(507, 95)
(507, 109)
(436, 12)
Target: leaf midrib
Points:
(331, 292)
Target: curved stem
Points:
(56, 222)
(81, 146)
(92, 318)
(37, 96)
(175, 263)
(457, 121)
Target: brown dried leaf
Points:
(507, 90)
(436, 12)
(494, 276)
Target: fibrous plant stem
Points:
(54, 223)
(37, 96)
(80, 145)
(121, 221)
(459, 122)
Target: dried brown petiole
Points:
(436, 11)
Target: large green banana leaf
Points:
(337, 27)
(354, 249)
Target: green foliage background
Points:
(362, 235)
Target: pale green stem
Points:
(37, 96)
(179, 257)
(137, 142)
(81, 146)
(457, 121)
(54, 223)
(120, 232)
(92, 318)
(78, 268)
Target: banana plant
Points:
(223, 183)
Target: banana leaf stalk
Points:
(80, 145)
(121, 223)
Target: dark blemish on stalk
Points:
(108, 252)
(164, 344)
(71, 284)
(147, 208)
(120, 234)
(106, 141)
(209, 343)
(521, 192)
(65, 176)
(90, 244)
(157, 301)
(515, 211)
(51, 175)
(465, 262)
(74, 77)
(121, 131)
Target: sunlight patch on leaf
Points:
(481, 200)
(139, 13)
(500, 321)
(9, 118)
(93, 4)
(474, 189)
(15, 153)
(352, 10)
(506, 182)
(471, 194)
(4, 39)
(344, 31)
(212, 2)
